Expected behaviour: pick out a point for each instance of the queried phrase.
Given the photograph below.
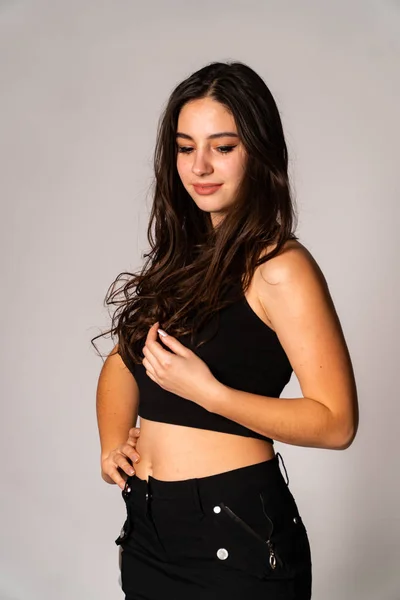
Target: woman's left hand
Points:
(181, 371)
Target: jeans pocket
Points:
(245, 547)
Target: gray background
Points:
(82, 86)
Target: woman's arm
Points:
(117, 400)
(297, 301)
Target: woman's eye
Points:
(225, 149)
(184, 149)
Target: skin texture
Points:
(290, 295)
(201, 160)
(116, 465)
(117, 399)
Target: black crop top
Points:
(244, 354)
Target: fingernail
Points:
(162, 332)
(136, 459)
(132, 472)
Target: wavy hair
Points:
(191, 264)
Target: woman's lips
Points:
(205, 190)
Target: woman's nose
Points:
(201, 165)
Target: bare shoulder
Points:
(294, 262)
(291, 285)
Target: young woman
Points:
(228, 304)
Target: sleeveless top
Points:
(244, 354)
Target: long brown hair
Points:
(191, 264)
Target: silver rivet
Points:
(295, 520)
(128, 489)
(222, 553)
(217, 509)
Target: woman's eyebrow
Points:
(210, 137)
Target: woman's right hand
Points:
(115, 467)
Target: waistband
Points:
(255, 477)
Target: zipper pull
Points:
(272, 556)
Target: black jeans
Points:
(217, 537)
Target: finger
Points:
(175, 345)
(130, 452)
(149, 368)
(134, 431)
(155, 352)
(151, 358)
(152, 333)
(171, 342)
(133, 436)
(125, 466)
(115, 475)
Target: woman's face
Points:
(209, 151)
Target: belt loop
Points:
(279, 456)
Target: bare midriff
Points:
(175, 452)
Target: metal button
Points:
(128, 489)
(217, 509)
(222, 553)
(295, 520)
(147, 496)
